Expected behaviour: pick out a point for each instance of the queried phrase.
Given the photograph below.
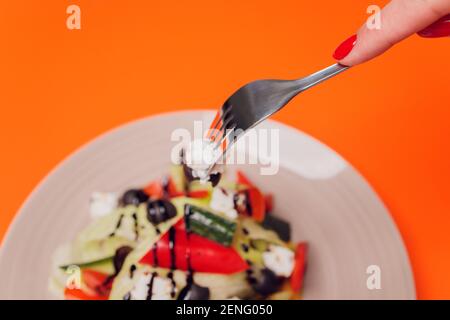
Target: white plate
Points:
(328, 202)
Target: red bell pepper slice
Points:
(242, 179)
(256, 199)
(299, 266)
(257, 204)
(205, 255)
(78, 294)
(172, 189)
(269, 202)
(198, 194)
(155, 190)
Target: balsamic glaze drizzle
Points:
(119, 223)
(136, 225)
(190, 271)
(174, 284)
(172, 239)
(248, 206)
(155, 255)
(173, 261)
(150, 286)
(132, 270)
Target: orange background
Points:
(390, 118)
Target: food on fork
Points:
(199, 160)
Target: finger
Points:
(399, 19)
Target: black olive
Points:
(120, 256)
(134, 197)
(194, 292)
(188, 173)
(160, 210)
(215, 178)
(264, 281)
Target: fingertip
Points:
(440, 28)
(345, 47)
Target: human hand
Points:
(399, 20)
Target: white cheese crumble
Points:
(127, 229)
(103, 203)
(280, 260)
(223, 201)
(161, 288)
(200, 155)
(140, 289)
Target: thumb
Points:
(399, 19)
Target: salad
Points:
(181, 238)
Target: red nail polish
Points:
(344, 48)
(440, 28)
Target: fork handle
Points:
(322, 75)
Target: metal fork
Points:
(255, 102)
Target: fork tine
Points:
(225, 147)
(223, 141)
(212, 134)
(216, 120)
(225, 125)
(223, 119)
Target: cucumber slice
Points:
(178, 178)
(210, 225)
(259, 244)
(102, 265)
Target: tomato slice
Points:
(299, 267)
(154, 190)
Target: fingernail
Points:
(440, 28)
(345, 48)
